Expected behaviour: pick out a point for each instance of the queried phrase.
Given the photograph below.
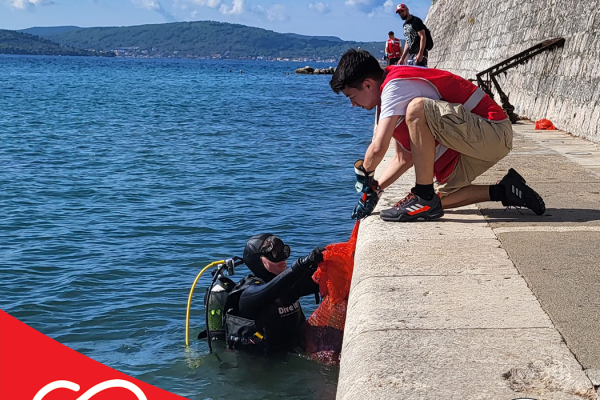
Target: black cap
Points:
(268, 245)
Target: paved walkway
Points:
(484, 303)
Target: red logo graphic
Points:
(36, 367)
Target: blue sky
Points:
(360, 20)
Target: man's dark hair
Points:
(390, 33)
(354, 67)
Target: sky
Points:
(358, 20)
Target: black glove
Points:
(311, 261)
(367, 202)
(363, 178)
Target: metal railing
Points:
(486, 78)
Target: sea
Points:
(122, 178)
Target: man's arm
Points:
(381, 141)
(422, 44)
(398, 166)
(404, 54)
(258, 296)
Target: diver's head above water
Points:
(266, 256)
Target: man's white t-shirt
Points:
(399, 92)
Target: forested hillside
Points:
(12, 42)
(206, 39)
(48, 31)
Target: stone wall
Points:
(561, 85)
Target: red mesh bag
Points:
(324, 331)
(545, 124)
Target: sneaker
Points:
(518, 194)
(413, 207)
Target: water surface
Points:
(122, 178)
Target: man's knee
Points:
(415, 111)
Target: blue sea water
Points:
(122, 178)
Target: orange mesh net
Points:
(325, 328)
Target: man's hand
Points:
(363, 178)
(367, 202)
(312, 260)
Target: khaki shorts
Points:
(480, 142)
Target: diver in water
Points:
(263, 310)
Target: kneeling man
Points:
(443, 125)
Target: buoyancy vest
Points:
(453, 89)
(275, 328)
(222, 302)
(240, 331)
(393, 48)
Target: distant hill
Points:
(328, 38)
(205, 39)
(12, 42)
(47, 32)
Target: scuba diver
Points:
(262, 312)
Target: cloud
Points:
(202, 3)
(29, 5)
(274, 13)
(237, 7)
(321, 8)
(277, 13)
(389, 6)
(154, 5)
(371, 7)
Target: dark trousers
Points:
(393, 61)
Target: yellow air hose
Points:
(187, 315)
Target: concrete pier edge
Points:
(440, 309)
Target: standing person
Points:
(393, 49)
(443, 125)
(416, 35)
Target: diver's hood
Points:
(254, 250)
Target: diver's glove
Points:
(367, 202)
(311, 261)
(363, 178)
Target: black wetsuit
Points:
(275, 306)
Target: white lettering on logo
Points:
(114, 383)
(289, 309)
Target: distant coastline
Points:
(199, 40)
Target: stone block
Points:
(443, 302)
(472, 364)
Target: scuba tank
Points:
(221, 304)
(215, 299)
(214, 303)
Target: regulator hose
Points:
(189, 303)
